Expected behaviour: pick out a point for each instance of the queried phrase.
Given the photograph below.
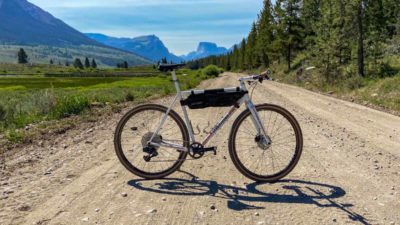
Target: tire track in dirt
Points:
(348, 173)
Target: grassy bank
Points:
(382, 93)
(30, 99)
(69, 71)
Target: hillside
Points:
(23, 24)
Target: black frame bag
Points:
(213, 98)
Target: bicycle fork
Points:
(262, 136)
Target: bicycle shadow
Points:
(240, 198)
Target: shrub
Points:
(299, 60)
(386, 70)
(70, 105)
(166, 90)
(355, 82)
(129, 97)
(211, 71)
(14, 136)
(42, 102)
(2, 113)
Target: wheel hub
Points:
(262, 142)
(146, 138)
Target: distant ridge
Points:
(205, 49)
(148, 46)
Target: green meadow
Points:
(29, 99)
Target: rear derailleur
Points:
(151, 152)
(150, 149)
(197, 150)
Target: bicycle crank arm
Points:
(211, 149)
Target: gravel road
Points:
(349, 173)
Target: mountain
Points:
(25, 24)
(150, 46)
(205, 49)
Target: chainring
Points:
(196, 150)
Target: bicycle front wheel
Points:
(261, 162)
(135, 130)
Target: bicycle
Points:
(152, 141)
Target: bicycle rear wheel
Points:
(261, 163)
(134, 132)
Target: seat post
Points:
(176, 82)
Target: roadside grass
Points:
(69, 71)
(380, 92)
(26, 100)
(42, 54)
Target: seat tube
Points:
(185, 113)
(176, 82)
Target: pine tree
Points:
(243, 64)
(311, 15)
(236, 58)
(293, 27)
(265, 34)
(51, 62)
(22, 56)
(228, 66)
(125, 65)
(93, 64)
(360, 44)
(376, 29)
(340, 37)
(328, 42)
(87, 62)
(251, 54)
(392, 15)
(278, 44)
(78, 63)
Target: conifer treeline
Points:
(337, 36)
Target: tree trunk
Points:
(361, 71)
(289, 56)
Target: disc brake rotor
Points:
(146, 138)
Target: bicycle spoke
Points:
(145, 123)
(273, 159)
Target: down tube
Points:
(220, 124)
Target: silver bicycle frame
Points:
(245, 99)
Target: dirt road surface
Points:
(349, 173)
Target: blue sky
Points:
(181, 24)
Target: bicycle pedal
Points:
(211, 149)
